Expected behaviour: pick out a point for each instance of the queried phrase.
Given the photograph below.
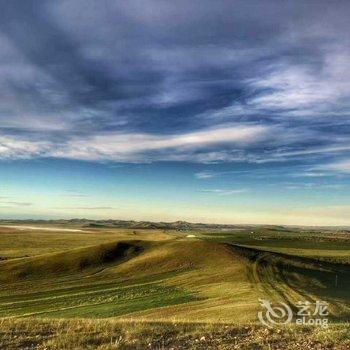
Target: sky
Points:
(220, 111)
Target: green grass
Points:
(157, 276)
(97, 300)
(319, 245)
(174, 277)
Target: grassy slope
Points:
(105, 280)
(167, 279)
(217, 278)
(24, 243)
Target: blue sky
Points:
(225, 111)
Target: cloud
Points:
(310, 174)
(222, 192)
(85, 208)
(205, 175)
(341, 167)
(314, 186)
(128, 146)
(212, 174)
(310, 151)
(300, 87)
(112, 144)
(152, 81)
(11, 204)
(74, 194)
(18, 147)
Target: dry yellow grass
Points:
(16, 243)
(188, 286)
(81, 334)
(212, 271)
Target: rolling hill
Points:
(147, 282)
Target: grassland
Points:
(108, 334)
(130, 281)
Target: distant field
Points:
(15, 243)
(153, 275)
(321, 245)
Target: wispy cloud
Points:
(340, 167)
(310, 174)
(14, 147)
(155, 85)
(212, 174)
(11, 204)
(116, 145)
(73, 194)
(224, 192)
(85, 208)
(205, 175)
(312, 150)
(123, 146)
(314, 186)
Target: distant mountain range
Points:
(177, 225)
